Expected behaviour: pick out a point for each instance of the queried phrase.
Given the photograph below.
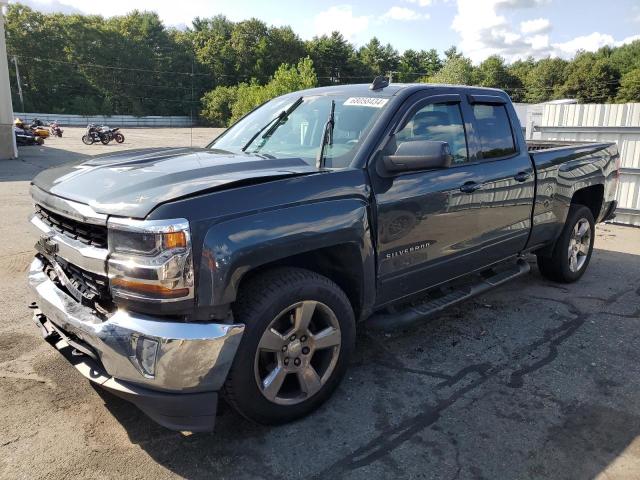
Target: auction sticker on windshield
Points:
(366, 101)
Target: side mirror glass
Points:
(418, 155)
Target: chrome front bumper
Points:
(191, 357)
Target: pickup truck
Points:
(173, 276)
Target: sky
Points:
(479, 28)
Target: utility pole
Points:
(191, 106)
(15, 62)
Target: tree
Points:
(217, 105)
(334, 59)
(414, 64)
(629, 87)
(590, 79)
(225, 105)
(379, 59)
(456, 71)
(544, 80)
(493, 72)
(520, 71)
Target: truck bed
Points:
(536, 145)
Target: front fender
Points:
(234, 247)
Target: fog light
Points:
(145, 354)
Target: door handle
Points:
(522, 176)
(470, 187)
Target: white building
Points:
(7, 138)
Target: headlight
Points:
(150, 260)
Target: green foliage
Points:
(456, 70)
(590, 79)
(225, 105)
(629, 87)
(493, 72)
(377, 58)
(543, 81)
(134, 64)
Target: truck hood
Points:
(133, 183)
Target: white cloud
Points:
(485, 30)
(422, 3)
(537, 25)
(403, 14)
(341, 18)
(590, 43)
(49, 6)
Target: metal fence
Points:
(113, 121)
(618, 123)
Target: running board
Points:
(385, 320)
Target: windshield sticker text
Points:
(366, 102)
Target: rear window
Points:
(494, 131)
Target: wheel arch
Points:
(330, 238)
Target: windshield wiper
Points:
(327, 136)
(273, 124)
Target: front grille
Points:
(93, 287)
(94, 235)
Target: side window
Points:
(439, 122)
(494, 130)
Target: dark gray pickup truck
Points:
(171, 276)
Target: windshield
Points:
(294, 126)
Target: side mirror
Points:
(417, 155)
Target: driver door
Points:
(427, 221)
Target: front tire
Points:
(299, 335)
(87, 139)
(572, 252)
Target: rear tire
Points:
(299, 335)
(104, 139)
(572, 252)
(118, 137)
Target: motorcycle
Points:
(113, 133)
(103, 134)
(25, 137)
(39, 129)
(36, 127)
(95, 134)
(55, 129)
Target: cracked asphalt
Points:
(532, 380)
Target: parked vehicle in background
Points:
(173, 276)
(25, 137)
(114, 134)
(94, 134)
(102, 133)
(35, 127)
(54, 128)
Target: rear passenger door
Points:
(504, 197)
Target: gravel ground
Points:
(533, 380)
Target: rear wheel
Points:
(87, 139)
(299, 335)
(572, 252)
(118, 137)
(104, 139)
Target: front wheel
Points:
(572, 252)
(87, 139)
(299, 335)
(104, 139)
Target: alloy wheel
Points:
(297, 353)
